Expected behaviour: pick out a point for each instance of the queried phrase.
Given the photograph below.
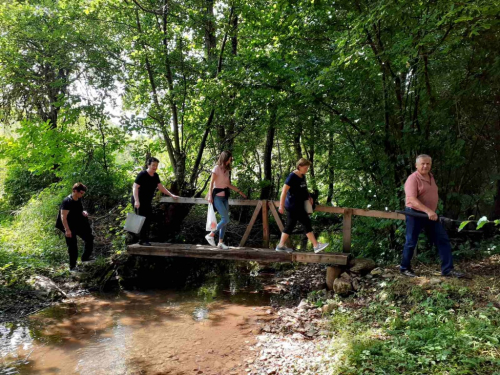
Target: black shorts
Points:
(291, 220)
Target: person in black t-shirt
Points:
(294, 195)
(144, 189)
(73, 221)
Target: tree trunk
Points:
(266, 190)
(296, 142)
(231, 126)
(496, 203)
(310, 152)
(210, 41)
(234, 38)
(496, 206)
(331, 169)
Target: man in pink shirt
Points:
(422, 197)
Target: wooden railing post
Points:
(250, 225)
(346, 231)
(278, 221)
(276, 216)
(265, 224)
(332, 273)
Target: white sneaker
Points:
(320, 247)
(210, 240)
(222, 246)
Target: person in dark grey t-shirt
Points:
(144, 189)
(294, 196)
(73, 221)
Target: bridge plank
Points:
(235, 253)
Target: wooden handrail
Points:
(319, 208)
(232, 202)
(264, 204)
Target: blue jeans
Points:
(436, 234)
(222, 205)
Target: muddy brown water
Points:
(153, 332)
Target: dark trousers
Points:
(436, 234)
(291, 220)
(145, 210)
(88, 239)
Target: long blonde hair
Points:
(224, 157)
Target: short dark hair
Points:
(79, 187)
(152, 160)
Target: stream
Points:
(205, 330)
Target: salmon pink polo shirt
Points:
(426, 192)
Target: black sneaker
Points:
(145, 243)
(456, 275)
(408, 273)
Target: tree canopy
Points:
(358, 87)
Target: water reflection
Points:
(12, 336)
(138, 332)
(200, 313)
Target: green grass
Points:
(450, 330)
(28, 241)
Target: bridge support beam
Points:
(332, 273)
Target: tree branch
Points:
(159, 11)
(343, 118)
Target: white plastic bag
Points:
(308, 207)
(211, 219)
(134, 223)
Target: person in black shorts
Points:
(293, 197)
(144, 189)
(73, 221)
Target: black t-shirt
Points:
(297, 193)
(76, 219)
(147, 186)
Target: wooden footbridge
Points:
(263, 254)
(236, 253)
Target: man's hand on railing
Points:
(432, 215)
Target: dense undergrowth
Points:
(404, 328)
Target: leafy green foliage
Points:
(30, 240)
(21, 184)
(90, 88)
(415, 331)
(480, 223)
